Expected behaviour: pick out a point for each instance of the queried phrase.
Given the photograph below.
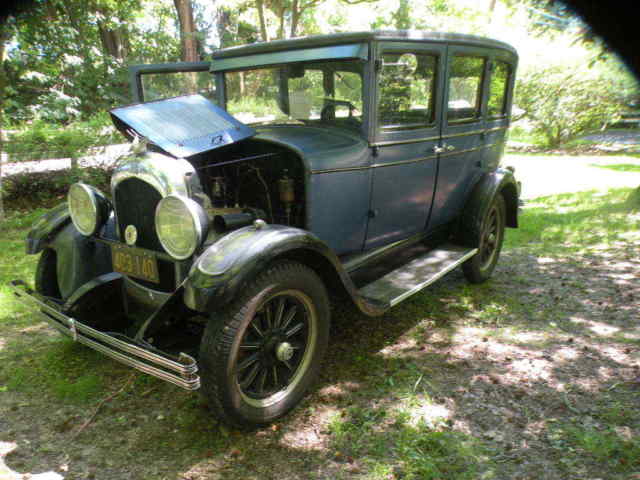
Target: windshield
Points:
(328, 92)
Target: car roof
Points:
(354, 37)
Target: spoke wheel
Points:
(489, 240)
(260, 355)
(490, 235)
(276, 347)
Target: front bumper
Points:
(181, 370)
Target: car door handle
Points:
(438, 149)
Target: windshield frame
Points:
(368, 73)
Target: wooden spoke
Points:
(291, 313)
(295, 329)
(251, 376)
(279, 311)
(248, 361)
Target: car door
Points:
(463, 130)
(407, 133)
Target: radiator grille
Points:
(135, 204)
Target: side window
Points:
(407, 83)
(465, 88)
(498, 89)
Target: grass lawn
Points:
(535, 374)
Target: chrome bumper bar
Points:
(181, 371)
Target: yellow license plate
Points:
(135, 263)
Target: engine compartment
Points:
(253, 177)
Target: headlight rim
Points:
(199, 220)
(99, 204)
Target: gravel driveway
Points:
(543, 175)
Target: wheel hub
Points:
(284, 351)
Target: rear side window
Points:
(465, 88)
(498, 89)
(407, 83)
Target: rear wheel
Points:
(261, 354)
(489, 239)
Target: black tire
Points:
(253, 369)
(489, 239)
(46, 281)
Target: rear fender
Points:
(500, 181)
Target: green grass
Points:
(605, 445)
(575, 222)
(619, 167)
(32, 363)
(390, 445)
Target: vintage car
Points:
(283, 176)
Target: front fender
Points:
(221, 271)
(45, 227)
(490, 184)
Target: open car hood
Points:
(182, 126)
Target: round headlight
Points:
(181, 225)
(88, 208)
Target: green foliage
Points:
(561, 102)
(69, 58)
(43, 140)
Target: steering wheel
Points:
(328, 112)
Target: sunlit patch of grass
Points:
(14, 263)
(575, 222)
(619, 167)
(390, 445)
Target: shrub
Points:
(563, 102)
(31, 189)
(41, 140)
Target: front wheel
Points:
(479, 268)
(259, 356)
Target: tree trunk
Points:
(114, 42)
(188, 37)
(263, 25)
(281, 12)
(491, 10)
(295, 17)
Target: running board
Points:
(419, 273)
